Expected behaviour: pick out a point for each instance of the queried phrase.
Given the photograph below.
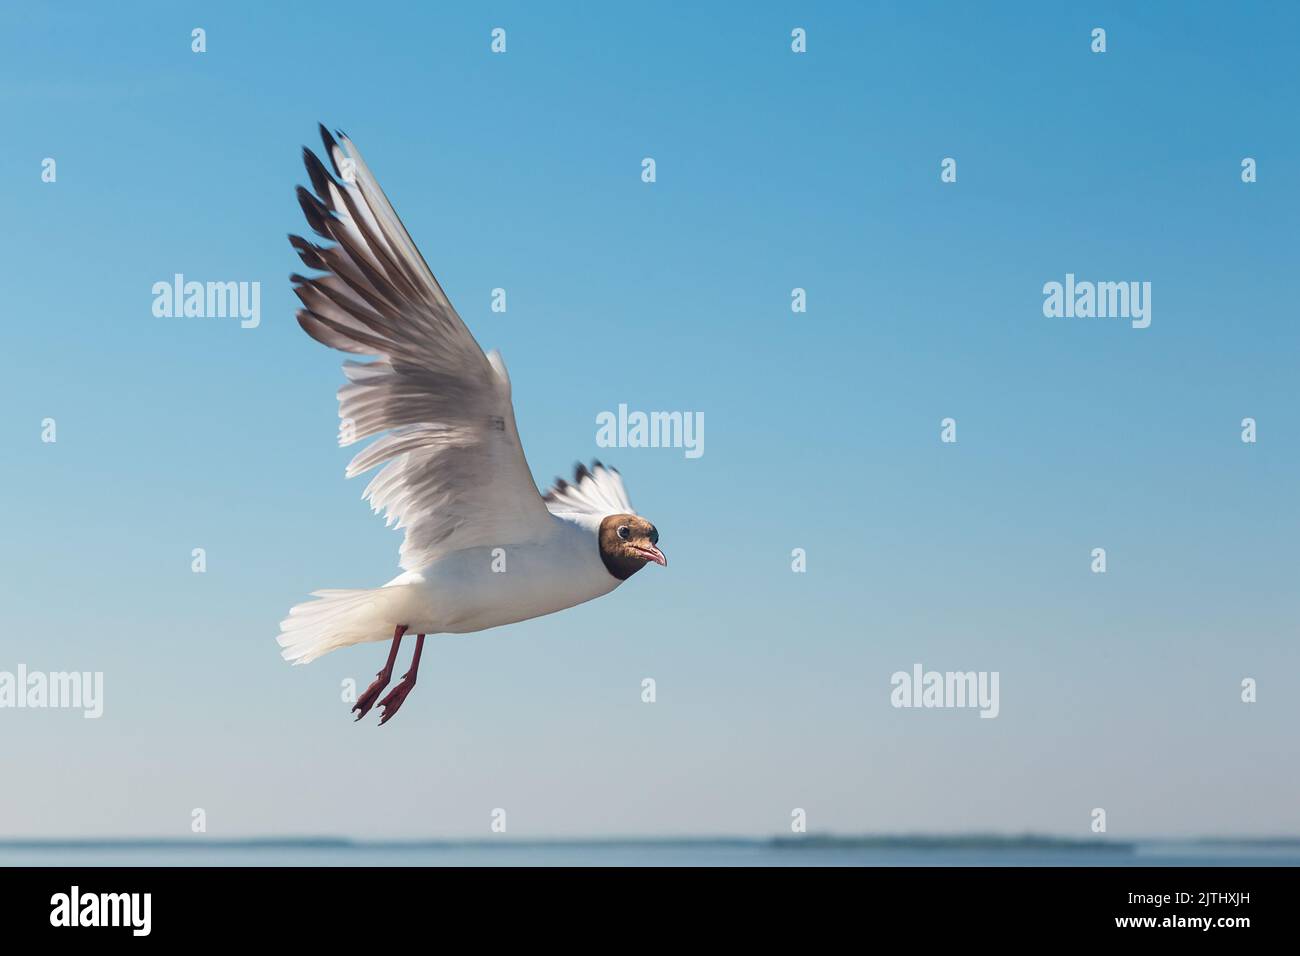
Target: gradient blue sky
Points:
(822, 430)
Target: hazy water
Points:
(701, 853)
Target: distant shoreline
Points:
(814, 841)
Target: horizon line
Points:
(785, 841)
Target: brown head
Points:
(627, 543)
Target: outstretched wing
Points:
(455, 475)
(595, 492)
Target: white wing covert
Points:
(594, 493)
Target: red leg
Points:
(367, 699)
(390, 704)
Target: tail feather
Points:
(336, 618)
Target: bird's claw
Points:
(393, 701)
(367, 698)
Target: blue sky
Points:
(774, 170)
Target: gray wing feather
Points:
(454, 474)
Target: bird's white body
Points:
(471, 589)
(478, 588)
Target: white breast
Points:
(478, 588)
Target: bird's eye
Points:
(622, 531)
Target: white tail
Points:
(337, 618)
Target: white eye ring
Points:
(622, 531)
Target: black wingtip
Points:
(320, 177)
(308, 253)
(315, 212)
(330, 146)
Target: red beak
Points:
(653, 554)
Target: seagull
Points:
(482, 547)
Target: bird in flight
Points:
(482, 547)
